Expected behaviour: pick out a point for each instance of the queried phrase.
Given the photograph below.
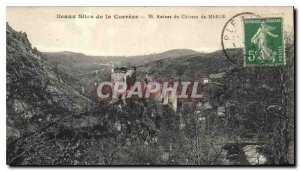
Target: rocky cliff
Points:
(37, 93)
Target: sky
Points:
(128, 37)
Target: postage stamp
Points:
(263, 41)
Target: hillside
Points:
(37, 93)
(256, 96)
(81, 64)
(187, 67)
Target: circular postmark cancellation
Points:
(250, 40)
(232, 37)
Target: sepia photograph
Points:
(150, 86)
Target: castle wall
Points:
(118, 77)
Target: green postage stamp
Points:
(264, 41)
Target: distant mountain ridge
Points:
(166, 54)
(79, 63)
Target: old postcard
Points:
(146, 86)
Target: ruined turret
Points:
(118, 74)
(130, 76)
(123, 74)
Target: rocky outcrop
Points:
(37, 93)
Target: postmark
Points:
(263, 41)
(232, 37)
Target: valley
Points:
(54, 118)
